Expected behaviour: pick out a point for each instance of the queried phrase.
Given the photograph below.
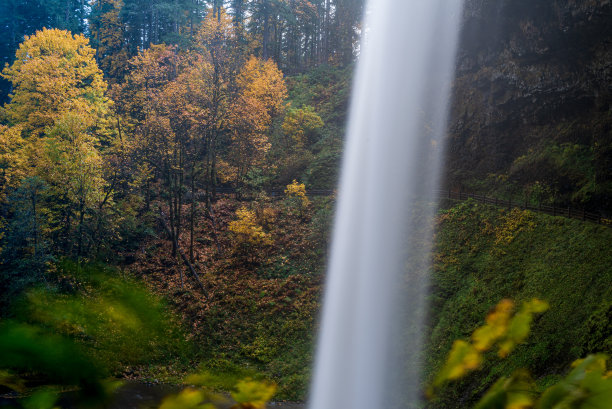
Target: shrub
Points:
(249, 235)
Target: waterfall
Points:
(370, 342)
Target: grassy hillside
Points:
(484, 254)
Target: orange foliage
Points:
(261, 96)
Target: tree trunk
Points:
(171, 218)
(193, 212)
(183, 257)
(266, 29)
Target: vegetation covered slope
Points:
(262, 275)
(327, 89)
(261, 314)
(484, 254)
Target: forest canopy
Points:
(148, 102)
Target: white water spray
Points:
(370, 343)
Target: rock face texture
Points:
(532, 110)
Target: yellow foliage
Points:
(189, 398)
(462, 359)
(297, 190)
(299, 123)
(514, 222)
(68, 160)
(226, 172)
(251, 394)
(501, 327)
(247, 230)
(55, 72)
(263, 81)
(262, 91)
(588, 385)
(496, 326)
(13, 166)
(520, 325)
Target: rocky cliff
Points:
(532, 110)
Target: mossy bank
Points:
(484, 254)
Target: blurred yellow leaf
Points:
(253, 394)
(501, 328)
(201, 379)
(496, 326)
(188, 398)
(462, 359)
(520, 326)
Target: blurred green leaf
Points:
(495, 327)
(44, 399)
(587, 386)
(516, 392)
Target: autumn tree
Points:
(262, 92)
(292, 145)
(249, 237)
(20, 18)
(168, 100)
(72, 165)
(143, 99)
(58, 116)
(296, 201)
(55, 72)
(217, 41)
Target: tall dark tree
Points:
(107, 36)
(347, 22)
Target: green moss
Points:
(485, 254)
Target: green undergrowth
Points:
(89, 323)
(485, 254)
(327, 89)
(264, 330)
